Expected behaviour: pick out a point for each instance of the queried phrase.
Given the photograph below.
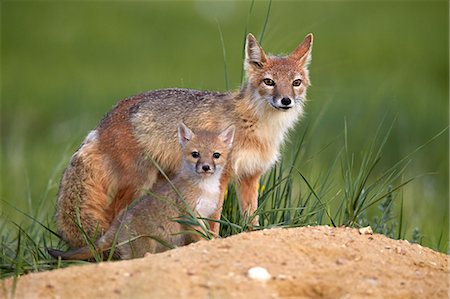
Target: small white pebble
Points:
(366, 230)
(126, 274)
(259, 273)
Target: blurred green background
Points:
(65, 64)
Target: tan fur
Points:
(146, 126)
(150, 220)
(249, 189)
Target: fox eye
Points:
(269, 82)
(195, 155)
(297, 82)
(216, 155)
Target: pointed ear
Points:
(227, 136)
(303, 52)
(184, 134)
(254, 54)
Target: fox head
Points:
(205, 153)
(281, 81)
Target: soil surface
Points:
(308, 262)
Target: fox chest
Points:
(208, 199)
(206, 206)
(257, 150)
(251, 160)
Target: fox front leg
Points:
(247, 191)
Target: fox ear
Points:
(303, 52)
(254, 54)
(227, 136)
(184, 134)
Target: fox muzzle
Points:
(284, 103)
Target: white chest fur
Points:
(249, 161)
(259, 156)
(209, 196)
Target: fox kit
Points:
(147, 225)
(112, 166)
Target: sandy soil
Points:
(309, 262)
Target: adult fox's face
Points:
(280, 80)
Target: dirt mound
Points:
(308, 262)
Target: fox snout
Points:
(284, 103)
(205, 168)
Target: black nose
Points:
(206, 167)
(286, 101)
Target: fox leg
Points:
(247, 191)
(94, 201)
(81, 202)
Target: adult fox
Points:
(114, 165)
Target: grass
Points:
(364, 196)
